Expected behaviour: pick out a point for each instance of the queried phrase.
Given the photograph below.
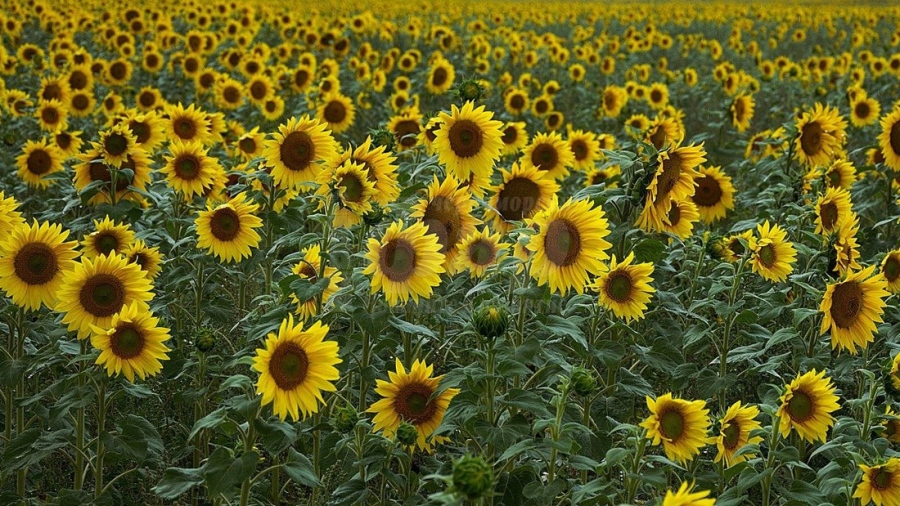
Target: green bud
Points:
(374, 216)
(407, 434)
(470, 90)
(205, 340)
(345, 418)
(716, 246)
(491, 320)
(382, 137)
(473, 478)
(583, 381)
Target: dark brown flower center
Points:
(259, 90)
(185, 128)
(881, 478)
(739, 110)
(127, 341)
(405, 131)
(709, 192)
(335, 112)
(481, 252)
(353, 188)
(35, 264)
(674, 215)
(510, 134)
(829, 214)
(767, 255)
(518, 199)
(231, 94)
(517, 102)
(297, 151)
(187, 167)
(671, 173)
(658, 137)
(398, 260)
(544, 156)
(671, 424)
(102, 295)
(247, 145)
(225, 224)
(891, 268)
(894, 139)
(39, 162)
(656, 96)
(439, 78)
(413, 405)
(846, 304)
(580, 149)
(443, 220)
(288, 365)
(562, 244)
(106, 242)
(801, 406)
(118, 70)
(80, 102)
(541, 106)
(50, 115)
(78, 80)
(115, 144)
(811, 138)
(731, 434)
(466, 138)
(619, 286)
(147, 99)
(862, 110)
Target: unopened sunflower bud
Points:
(374, 216)
(583, 381)
(205, 340)
(470, 90)
(491, 321)
(473, 478)
(383, 137)
(345, 418)
(407, 434)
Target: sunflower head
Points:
(806, 406)
(132, 343)
(680, 426)
(880, 484)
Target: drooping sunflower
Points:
(820, 135)
(678, 424)
(680, 219)
(585, 147)
(480, 250)
(295, 367)
(514, 137)
(297, 151)
(550, 154)
(149, 259)
(832, 210)
(714, 194)
(187, 124)
(33, 259)
(890, 270)
(380, 168)
(38, 160)
(336, 111)
(447, 214)
(846, 246)
(742, 112)
(107, 238)
(806, 406)
(569, 245)
(406, 262)
(468, 141)
(411, 397)
(624, 288)
(189, 170)
(684, 497)
(354, 191)
(880, 484)
(673, 179)
(523, 193)
(852, 307)
(889, 140)
(95, 290)
(228, 230)
(308, 268)
(132, 343)
(735, 427)
(772, 255)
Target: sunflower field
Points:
(488, 253)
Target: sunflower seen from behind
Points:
(679, 425)
(880, 483)
(295, 366)
(468, 141)
(569, 245)
(412, 397)
(132, 344)
(94, 290)
(228, 230)
(806, 406)
(735, 427)
(772, 255)
(406, 262)
(624, 287)
(33, 260)
(852, 308)
(296, 153)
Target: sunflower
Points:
(680, 426)
(406, 127)
(82, 103)
(608, 176)
(806, 406)
(189, 169)
(663, 132)
(889, 140)
(33, 259)
(742, 111)
(673, 179)
(380, 168)
(187, 124)
(550, 154)
(295, 367)
(840, 174)
(832, 210)
(852, 307)
(447, 214)
(259, 89)
(468, 141)
(585, 147)
(414, 398)
(684, 497)
(772, 255)
(658, 95)
(108, 238)
(308, 268)
(38, 160)
(523, 193)
(569, 245)
(406, 262)
(441, 76)
(68, 143)
(864, 111)
(146, 127)
(10, 217)
(516, 101)
(116, 144)
(613, 100)
(624, 288)
(820, 136)
(880, 484)
(714, 194)
(132, 343)
(336, 111)
(296, 152)
(95, 290)
(52, 115)
(228, 230)
(891, 423)
(734, 433)
(480, 250)
(353, 190)
(149, 259)
(890, 269)
(680, 219)
(514, 137)
(148, 99)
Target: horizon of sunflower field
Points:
(494, 253)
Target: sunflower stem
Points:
(729, 323)
(20, 394)
(198, 295)
(249, 441)
(766, 483)
(632, 484)
(101, 428)
(79, 424)
(326, 241)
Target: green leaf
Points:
(276, 435)
(176, 481)
(410, 328)
(138, 438)
(528, 401)
(33, 446)
(649, 250)
(222, 472)
(300, 470)
(209, 421)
